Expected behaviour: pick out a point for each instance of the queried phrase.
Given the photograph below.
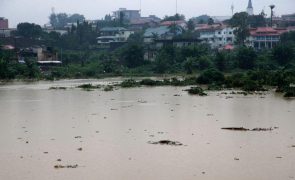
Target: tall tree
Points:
(257, 21)
(29, 30)
(60, 20)
(190, 25)
(240, 22)
(176, 17)
(132, 56)
(246, 57)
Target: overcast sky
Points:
(37, 11)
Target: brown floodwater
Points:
(39, 126)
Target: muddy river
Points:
(89, 135)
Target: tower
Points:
(250, 8)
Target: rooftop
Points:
(169, 23)
(111, 29)
(156, 31)
(267, 31)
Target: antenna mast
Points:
(176, 6)
(140, 7)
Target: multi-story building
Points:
(128, 15)
(3, 23)
(216, 35)
(265, 37)
(112, 35)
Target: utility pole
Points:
(271, 15)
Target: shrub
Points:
(211, 76)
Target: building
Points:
(161, 32)
(144, 22)
(289, 17)
(6, 33)
(112, 35)
(216, 35)
(180, 23)
(3, 23)
(265, 37)
(42, 55)
(128, 15)
(284, 21)
(250, 9)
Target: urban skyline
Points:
(93, 10)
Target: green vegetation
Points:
(196, 91)
(89, 87)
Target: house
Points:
(112, 35)
(216, 35)
(180, 23)
(265, 37)
(160, 33)
(128, 15)
(42, 55)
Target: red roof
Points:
(267, 31)
(169, 23)
(206, 27)
(228, 47)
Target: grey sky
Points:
(37, 11)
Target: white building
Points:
(113, 35)
(6, 33)
(217, 35)
(264, 37)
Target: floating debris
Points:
(245, 129)
(166, 142)
(80, 149)
(67, 166)
(78, 137)
(108, 88)
(59, 160)
(141, 101)
(57, 88)
(262, 129)
(236, 159)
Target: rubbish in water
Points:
(67, 166)
(245, 129)
(166, 142)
